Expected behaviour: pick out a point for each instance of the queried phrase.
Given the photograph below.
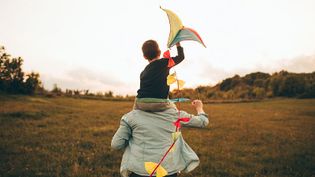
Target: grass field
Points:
(71, 137)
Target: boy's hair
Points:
(150, 49)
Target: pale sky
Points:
(96, 44)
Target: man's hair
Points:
(150, 49)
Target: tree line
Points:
(256, 85)
(76, 92)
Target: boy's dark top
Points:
(153, 79)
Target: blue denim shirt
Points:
(146, 136)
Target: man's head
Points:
(151, 50)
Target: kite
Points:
(178, 32)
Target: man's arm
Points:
(122, 135)
(201, 120)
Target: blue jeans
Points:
(136, 175)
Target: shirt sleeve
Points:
(200, 120)
(180, 55)
(122, 135)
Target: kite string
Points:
(178, 100)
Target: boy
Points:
(153, 93)
(153, 79)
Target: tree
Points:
(56, 90)
(11, 73)
(252, 77)
(32, 83)
(259, 92)
(309, 92)
(109, 94)
(12, 77)
(291, 86)
(274, 84)
(69, 92)
(230, 83)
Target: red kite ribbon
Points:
(171, 63)
(167, 55)
(177, 123)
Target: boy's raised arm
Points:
(180, 54)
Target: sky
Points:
(96, 44)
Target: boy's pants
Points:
(135, 175)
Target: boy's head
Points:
(151, 50)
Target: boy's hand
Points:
(198, 106)
(177, 44)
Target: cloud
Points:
(85, 75)
(82, 78)
(300, 64)
(213, 74)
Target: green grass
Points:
(71, 137)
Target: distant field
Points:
(71, 137)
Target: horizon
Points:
(195, 87)
(80, 45)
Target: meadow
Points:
(61, 137)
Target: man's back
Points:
(146, 136)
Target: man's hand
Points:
(198, 106)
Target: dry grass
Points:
(71, 137)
